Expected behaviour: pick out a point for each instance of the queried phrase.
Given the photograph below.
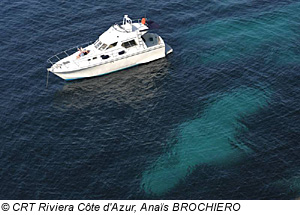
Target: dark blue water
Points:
(217, 119)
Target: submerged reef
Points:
(209, 139)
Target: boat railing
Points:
(57, 57)
(137, 20)
(133, 21)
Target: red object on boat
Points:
(143, 21)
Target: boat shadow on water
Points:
(131, 87)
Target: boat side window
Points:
(112, 45)
(129, 44)
(104, 57)
(121, 52)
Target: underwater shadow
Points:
(207, 140)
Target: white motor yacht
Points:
(121, 46)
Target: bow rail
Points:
(61, 55)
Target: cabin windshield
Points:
(102, 47)
(97, 44)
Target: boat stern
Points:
(168, 49)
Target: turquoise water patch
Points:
(209, 139)
(234, 37)
(291, 185)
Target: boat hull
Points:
(122, 63)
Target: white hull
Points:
(121, 63)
